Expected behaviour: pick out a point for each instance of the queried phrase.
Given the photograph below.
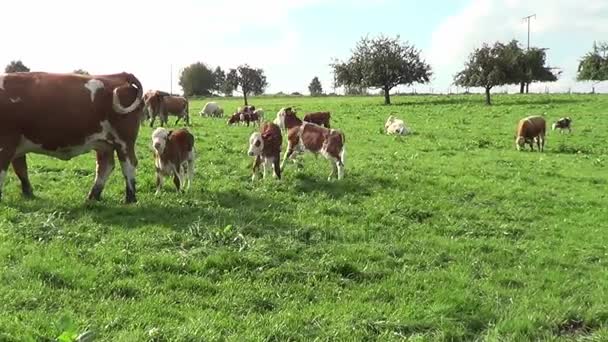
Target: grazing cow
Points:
(146, 111)
(246, 109)
(212, 109)
(395, 126)
(173, 156)
(317, 139)
(265, 146)
(234, 119)
(319, 118)
(66, 115)
(531, 129)
(260, 114)
(287, 119)
(562, 124)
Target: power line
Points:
(528, 19)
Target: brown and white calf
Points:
(173, 156)
(265, 146)
(319, 118)
(316, 139)
(66, 115)
(562, 124)
(530, 129)
(287, 119)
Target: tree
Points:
(16, 66)
(533, 62)
(384, 63)
(250, 80)
(197, 79)
(491, 66)
(219, 78)
(81, 72)
(594, 65)
(315, 87)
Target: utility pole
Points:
(528, 19)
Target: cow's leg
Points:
(159, 182)
(152, 119)
(267, 166)
(8, 145)
(178, 119)
(340, 166)
(177, 180)
(128, 164)
(256, 168)
(277, 167)
(105, 166)
(542, 142)
(334, 166)
(20, 168)
(288, 154)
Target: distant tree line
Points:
(199, 80)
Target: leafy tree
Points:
(81, 72)
(315, 87)
(491, 66)
(594, 65)
(219, 78)
(250, 80)
(384, 63)
(197, 79)
(16, 66)
(533, 67)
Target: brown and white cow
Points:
(531, 129)
(66, 115)
(317, 139)
(287, 119)
(265, 146)
(163, 104)
(319, 118)
(173, 156)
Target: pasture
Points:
(449, 234)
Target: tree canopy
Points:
(315, 87)
(16, 66)
(197, 80)
(594, 65)
(534, 69)
(382, 62)
(491, 66)
(250, 80)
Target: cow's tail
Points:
(187, 111)
(343, 150)
(132, 82)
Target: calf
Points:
(212, 109)
(265, 145)
(317, 139)
(287, 119)
(395, 126)
(562, 124)
(530, 129)
(173, 156)
(319, 118)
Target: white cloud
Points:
(567, 27)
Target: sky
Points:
(292, 40)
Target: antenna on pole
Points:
(528, 19)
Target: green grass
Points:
(449, 234)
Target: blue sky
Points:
(291, 40)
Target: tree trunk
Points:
(488, 100)
(387, 96)
(245, 96)
(522, 86)
(527, 88)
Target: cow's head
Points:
(520, 142)
(159, 139)
(233, 119)
(256, 144)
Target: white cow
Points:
(212, 109)
(260, 114)
(395, 126)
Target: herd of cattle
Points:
(66, 115)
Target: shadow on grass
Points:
(349, 186)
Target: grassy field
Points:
(449, 234)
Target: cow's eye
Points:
(257, 143)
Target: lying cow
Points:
(64, 116)
(173, 156)
(562, 124)
(395, 126)
(531, 129)
(162, 104)
(317, 139)
(319, 118)
(265, 146)
(212, 109)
